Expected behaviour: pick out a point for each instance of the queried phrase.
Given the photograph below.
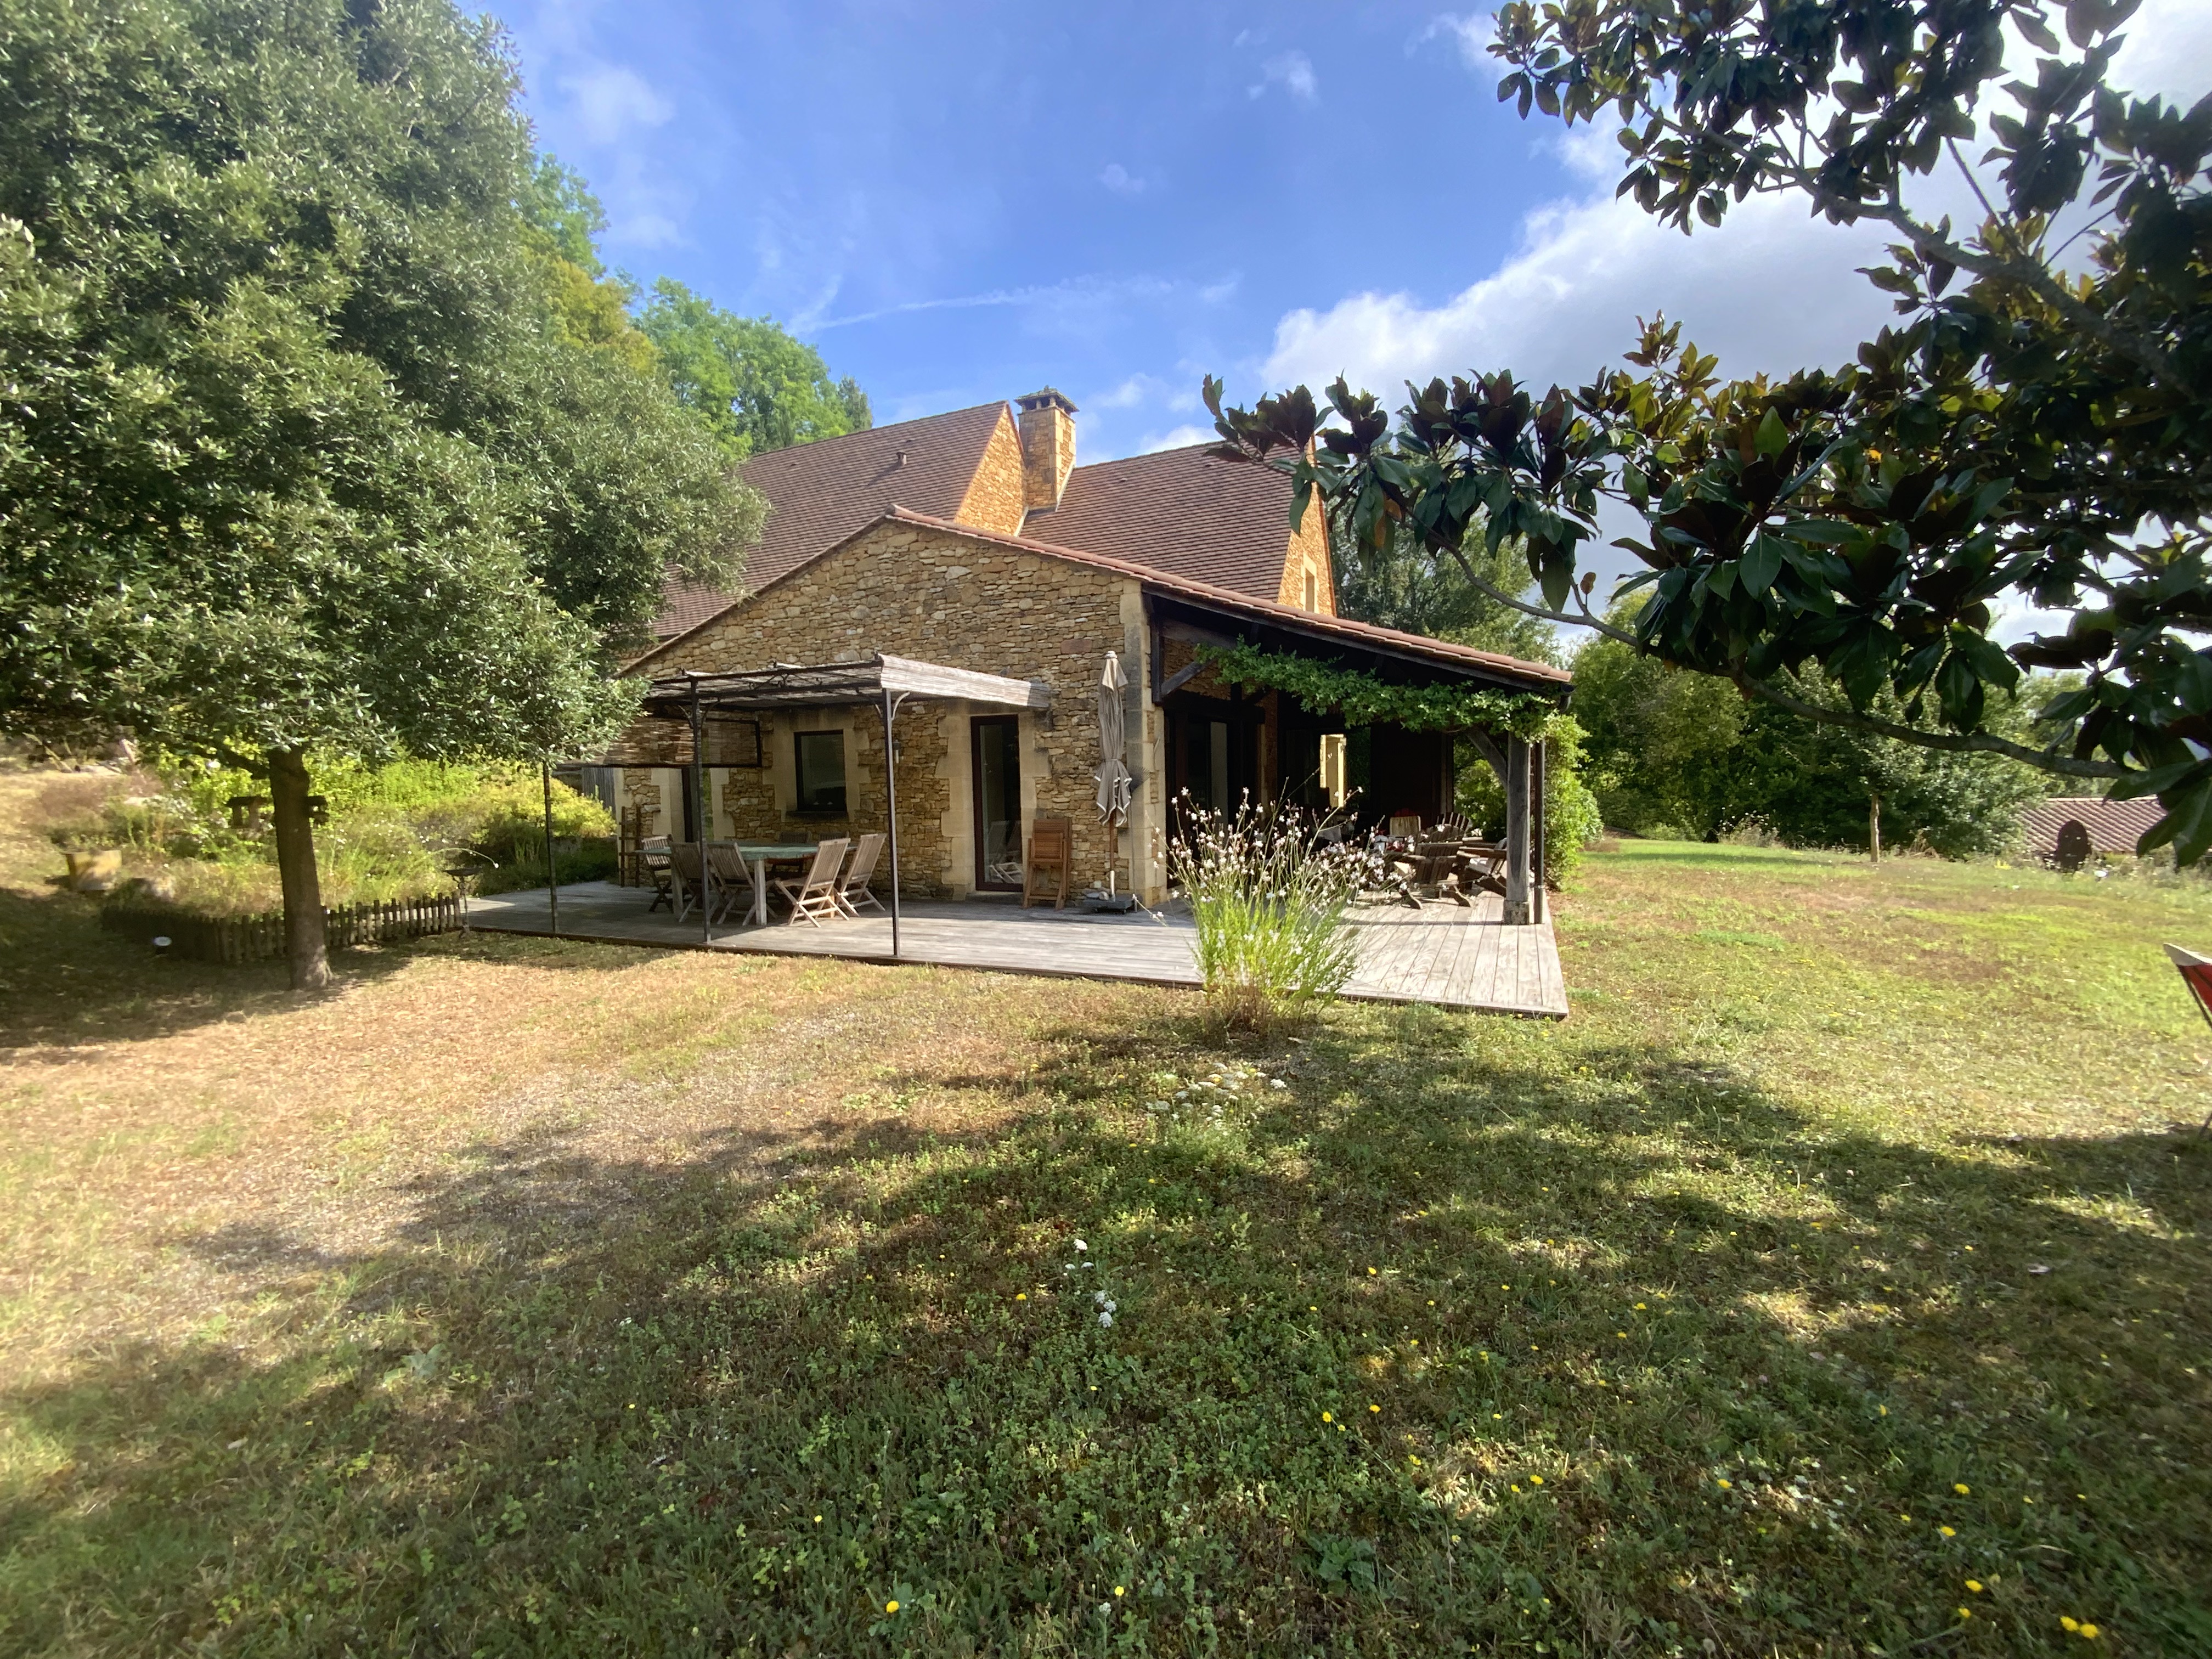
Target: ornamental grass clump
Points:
(1268, 896)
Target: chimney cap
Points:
(1049, 398)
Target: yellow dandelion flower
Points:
(1965, 1612)
(1728, 1486)
(1946, 1532)
(817, 1519)
(1639, 1307)
(2088, 1631)
(1371, 1272)
(1960, 1487)
(1535, 1479)
(1119, 1589)
(1517, 1488)
(2069, 1625)
(1374, 1408)
(1327, 1418)
(1021, 1296)
(1974, 1585)
(1905, 1517)
(890, 1606)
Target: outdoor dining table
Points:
(758, 856)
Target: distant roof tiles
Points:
(820, 493)
(2114, 826)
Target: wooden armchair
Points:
(1051, 863)
(814, 895)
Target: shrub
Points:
(1269, 899)
(1572, 816)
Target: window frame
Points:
(801, 807)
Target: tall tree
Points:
(758, 388)
(295, 455)
(1398, 584)
(2039, 427)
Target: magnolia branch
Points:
(1982, 742)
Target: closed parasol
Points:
(1114, 782)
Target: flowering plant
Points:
(1268, 896)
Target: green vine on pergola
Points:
(1363, 700)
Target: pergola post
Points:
(706, 824)
(1539, 901)
(890, 707)
(1517, 912)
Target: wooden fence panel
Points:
(237, 940)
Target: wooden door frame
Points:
(976, 725)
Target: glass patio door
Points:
(998, 774)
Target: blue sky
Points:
(958, 201)
(964, 201)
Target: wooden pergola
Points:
(885, 683)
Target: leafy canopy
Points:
(295, 450)
(755, 386)
(2031, 431)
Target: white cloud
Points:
(1770, 289)
(1122, 182)
(610, 98)
(1128, 395)
(1293, 72)
(1181, 437)
(1471, 34)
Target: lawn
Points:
(1832, 1282)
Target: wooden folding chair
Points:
(732, 875)
(814, 895)
(686, 873)
(654, 864)
(853, 886)
(1052, 853)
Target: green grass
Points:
(1709, 1322)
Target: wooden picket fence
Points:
(239, 939)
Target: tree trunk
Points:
(295, 864)
(1874, 826)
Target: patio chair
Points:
(814, 895)
(732, 875)
(1052, 858)
(853, 886)
(655, 866)
(686, 876)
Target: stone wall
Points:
(965, 602)
(995, 495)
(1308, 552)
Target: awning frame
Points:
(886, 683)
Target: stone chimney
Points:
(1047, 447)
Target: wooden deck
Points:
(1441, 954)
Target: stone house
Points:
(972, 540)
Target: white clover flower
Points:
(1277, 1083)
(1080, 1245)
(1106, 1319)
(1099, 1296)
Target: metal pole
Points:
(891, 809)
(701, 805)
(552, 886)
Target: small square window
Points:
(821, 757)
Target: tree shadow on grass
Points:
(1467, 1338)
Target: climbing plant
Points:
(1365, 700)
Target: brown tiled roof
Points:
(820, 493)
(2114, 826)
(1536, 675)
(1178, 510)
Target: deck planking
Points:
(1450, 956)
